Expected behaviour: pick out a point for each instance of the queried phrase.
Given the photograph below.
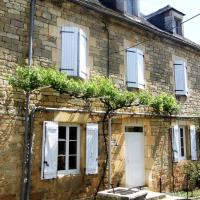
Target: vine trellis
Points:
(99, 88)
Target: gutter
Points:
(107, 12)
(116, 113)
(25, 177)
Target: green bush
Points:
(192, 171)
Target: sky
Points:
(188, 7)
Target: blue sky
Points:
(189, 7)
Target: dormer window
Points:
(168, 19)
(127, 7)
(130, 7)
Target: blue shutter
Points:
(49, 150)
(132, 71)
(82, 55)
(69, 51)
(181, 78)
(91, 148)
(140, 61)
(193, 143)
(135, 68)
(176, 143)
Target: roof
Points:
(140, 22)
(163, 10)
(93, 2)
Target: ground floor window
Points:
(61, 150)
(184, 142)
(68, 149)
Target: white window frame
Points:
(68, 171)
(178, 29)
(184, 142)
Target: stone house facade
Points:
(100, 37)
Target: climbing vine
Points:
(99, 88)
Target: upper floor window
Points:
(181, 87)
(135, 68)
(74, 50)
(178, 26)
(130, 6)
(133, 7)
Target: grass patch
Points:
(194, 193)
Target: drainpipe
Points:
(24, 179)
(110, 151)
(108, 49)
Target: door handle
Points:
(46, 163)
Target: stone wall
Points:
(159, 55)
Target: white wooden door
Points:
(134, 155)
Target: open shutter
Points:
(82, 55)
(181, 78)
(132, 69)
(69, 52)
(50, 150)
(140, 61)
(176, 143)
(92, 148)
(193, 143)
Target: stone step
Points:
(155, 196)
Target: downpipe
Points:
(25, 179)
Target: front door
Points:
(134, 155)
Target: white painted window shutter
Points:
(181, 78)
(91, 148)
(82, 55)
(132, 71)
(135, 68)
(176, 143)
(50, 150)
(69, 50)
(140, 60)
(193, 143)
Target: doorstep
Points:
(154, 195)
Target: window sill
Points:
(68, 173)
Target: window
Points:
(130, 6)
(180, 69)
(179, 141)
(61, 150)
(74, 50)
(136, 129)
(178, 26)
(179, 145)
(135, 68)
(68, 150)
(182, 143)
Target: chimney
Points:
(130, 7)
